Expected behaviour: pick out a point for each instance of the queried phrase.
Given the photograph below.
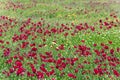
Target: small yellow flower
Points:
(53, 43)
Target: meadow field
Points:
(59, 39)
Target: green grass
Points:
(57, 11)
